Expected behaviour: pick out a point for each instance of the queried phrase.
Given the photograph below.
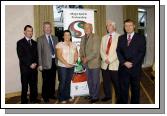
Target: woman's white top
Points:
(68, 52)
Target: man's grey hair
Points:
(111, 22)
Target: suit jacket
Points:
(112, 56)
(44, 53)
(134, 53)
(27, 54)
(91, 50)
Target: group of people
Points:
(119, 57)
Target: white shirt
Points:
(131, 35)
(53, 56)
(67, 52)
(28, 39)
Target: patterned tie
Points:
(129, 39)
(51, 46)
(109, 44)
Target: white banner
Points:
(74, 20)
(79, 89)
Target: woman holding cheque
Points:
(67, 56)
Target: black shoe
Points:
(53, 97)
(94, 101)
(88, 97)
(35, 101)
(118, 101)
(106, 99)
(24, 101)
(46, 101)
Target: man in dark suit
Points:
(47, 61)
(28, 60)
(130, 51)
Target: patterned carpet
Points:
(147, 94)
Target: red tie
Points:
(109, 44)
(129, 39)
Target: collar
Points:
(113, 33)
(131, 35)
(48, 35)
(27, 38)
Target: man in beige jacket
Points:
(90, 56)
(110, 63)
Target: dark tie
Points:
(129, 39)
(29, 41)
(51, 45)
(109, 44)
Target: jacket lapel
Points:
(26, 42)
(45, 42)
(133, 39)
(89, 39)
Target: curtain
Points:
(42, 13)
(131, 12)
(100, 19)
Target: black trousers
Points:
(129, 80)
(111, 77)
(29, 78)
(49, 78)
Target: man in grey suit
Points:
(47, 61)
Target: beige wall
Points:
(16, 17)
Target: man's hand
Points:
(128, 64)
(40, 68)
(85, 60)
(69, 65)
(33, 65)
(107, 61)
